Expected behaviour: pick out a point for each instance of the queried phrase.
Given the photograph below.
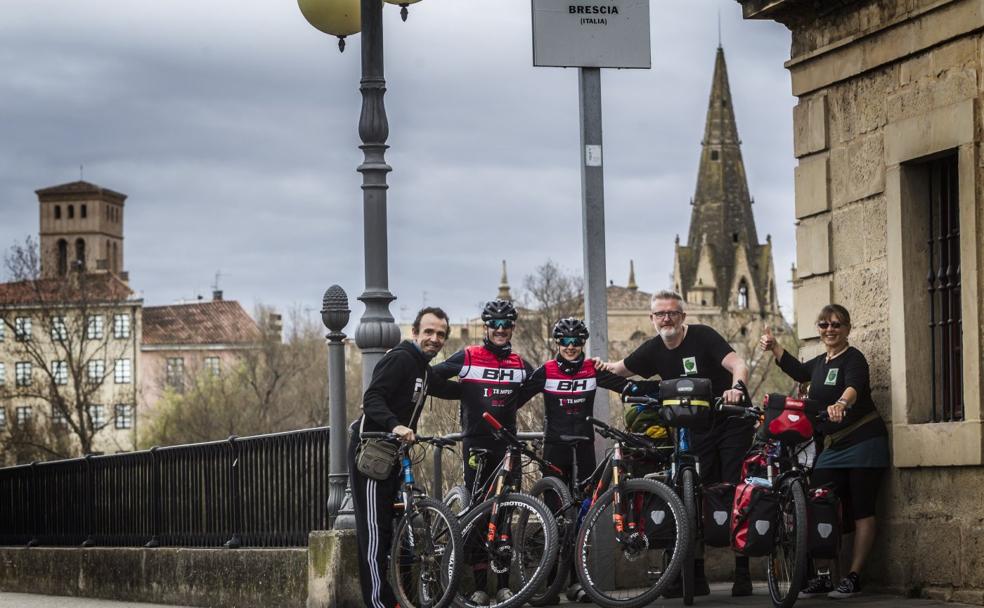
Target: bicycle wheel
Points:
(787, 564)
(557, 497)
(427, 555)
(522, 549)
(634, 572)
(458, 499)
(687, 572)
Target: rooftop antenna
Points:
(215, 285)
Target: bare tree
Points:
(70, 366)
(280, 384)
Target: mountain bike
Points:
(513, 533)
(632, 540)
(681, 414)
(427, 554)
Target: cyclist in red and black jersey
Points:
(568, 383)
(489, 373)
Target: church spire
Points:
(504, 285)
(632, 282)
(721, 215)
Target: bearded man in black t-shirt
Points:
(697, 350)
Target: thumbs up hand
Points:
(768, 342)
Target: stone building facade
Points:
(889, 193)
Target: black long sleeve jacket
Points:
(394, 396)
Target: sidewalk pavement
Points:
(720, 597)
(30, 600)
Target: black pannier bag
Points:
(655, 519)
(686, 402)
(753, 520)
(719, 499)
(790, 420)
(824, 517)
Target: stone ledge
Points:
(220, 578)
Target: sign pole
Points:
(593, 229)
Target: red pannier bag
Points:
(753, 520)
(755, 464)
(824, 514)
(719, 498)
(789, 420)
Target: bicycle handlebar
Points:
(434, 440)
(492, 421)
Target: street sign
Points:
(591, 33)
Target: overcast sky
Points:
(231, 126)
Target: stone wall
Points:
(883, 84)
(219, 578)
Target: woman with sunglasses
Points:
(855, 453)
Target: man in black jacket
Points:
(393, 402)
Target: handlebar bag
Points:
(753, 520)
(789, 420)
(718, 501)
(824, 517)
(655, 519)
(686, 402)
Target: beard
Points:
(668, 333)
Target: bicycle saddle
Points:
(573, 439)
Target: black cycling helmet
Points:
(570, 328)
(499, 310)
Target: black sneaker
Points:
(743, 584)
(849, 586)
(820, 585)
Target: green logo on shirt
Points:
(689, 365)
(831, 377)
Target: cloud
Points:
(232, 126)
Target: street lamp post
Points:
(377, 332)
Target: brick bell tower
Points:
(81, 229)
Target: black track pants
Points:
(373, 505)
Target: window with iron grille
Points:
(943, 284)
(121, 371)
(96, 370)
(58, 417)
(3, 374)
(124, 416)
(59, 372)
(3, 329)
(22, 373)
(212, 366)
(94, 327)
(98, 415)
(121, 326)
(22, 329)
(59, 332)
(174, 376)
(3, 417)
(23, 414)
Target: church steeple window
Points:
(743, 295)
(714, 155)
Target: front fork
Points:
(497, 539)
(622, 518)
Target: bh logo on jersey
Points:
(572, 386)
(501, 375)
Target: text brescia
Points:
(593, 10)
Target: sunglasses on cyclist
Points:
(571, 342)
(830, 324)
(499, 324)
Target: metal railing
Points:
(262, 491)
